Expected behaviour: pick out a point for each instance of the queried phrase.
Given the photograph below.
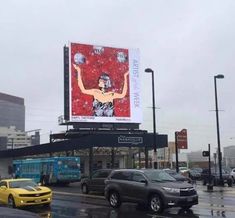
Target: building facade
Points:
(12, 111)
(13, 138)
(229, 156)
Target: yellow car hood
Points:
(30, 189)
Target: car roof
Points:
(137, 170)
(103, 170)
(12, 180)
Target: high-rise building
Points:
(12, 111)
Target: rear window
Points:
(101, 174)
(121, 175)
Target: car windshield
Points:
(158, 176)
(22, 184)
(171, 172)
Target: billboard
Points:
(104, 84)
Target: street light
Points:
(219, 76)
(148, 70)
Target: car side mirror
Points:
(144, 181)
(3, 187)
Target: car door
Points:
(97, 180)
(3, 192)
(122, 179)
(138, 190)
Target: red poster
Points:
(181, 139)
(99, 81)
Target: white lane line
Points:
(79, 194)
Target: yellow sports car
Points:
(23, 192)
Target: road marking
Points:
(212, 207)
(79, 194)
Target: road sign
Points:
(205, 153)
(182, 140)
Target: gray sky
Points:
(185, 42)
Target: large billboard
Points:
(104, 84)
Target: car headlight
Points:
(171, 190)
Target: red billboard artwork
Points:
(99, 83)
(181, 139)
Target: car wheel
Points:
(230, 182)
(204, 182)
(156, 204)
(215, 182)
(11, 202)
(85, 189)
(233, 179)
(114, 199)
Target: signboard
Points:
(181, 139)
(104, 84)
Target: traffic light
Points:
(205, 153)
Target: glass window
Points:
(3, 184)
(101, 174)
(108, 165)
(158, 176)
(122, 175)
(137, 177)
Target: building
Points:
(197, 160)
(12, 124)
(12, 111)
(229, 156)
(13, 138)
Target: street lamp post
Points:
(148, 70)
(219, 76)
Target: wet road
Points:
(69, 202)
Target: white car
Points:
(183, 170)
(232, 174)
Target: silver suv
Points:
(153, 188)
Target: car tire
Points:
(204, 182)
(156, 204)
(215, 182)
(233, 179)
(85, 189)
(11, 202)
(230, 183)
(114, 199)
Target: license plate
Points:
(189, 199)
(37, 200)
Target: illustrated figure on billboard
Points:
(103, 103)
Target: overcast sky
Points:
(185, 42)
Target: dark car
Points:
(215, 177)
(96, 182)
(153, 188)
(195, 173)
(178, 177)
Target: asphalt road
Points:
(69, 202)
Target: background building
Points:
(12, 111)
(196, 159)
(229, 156)
(13, 138)
(12, 124)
